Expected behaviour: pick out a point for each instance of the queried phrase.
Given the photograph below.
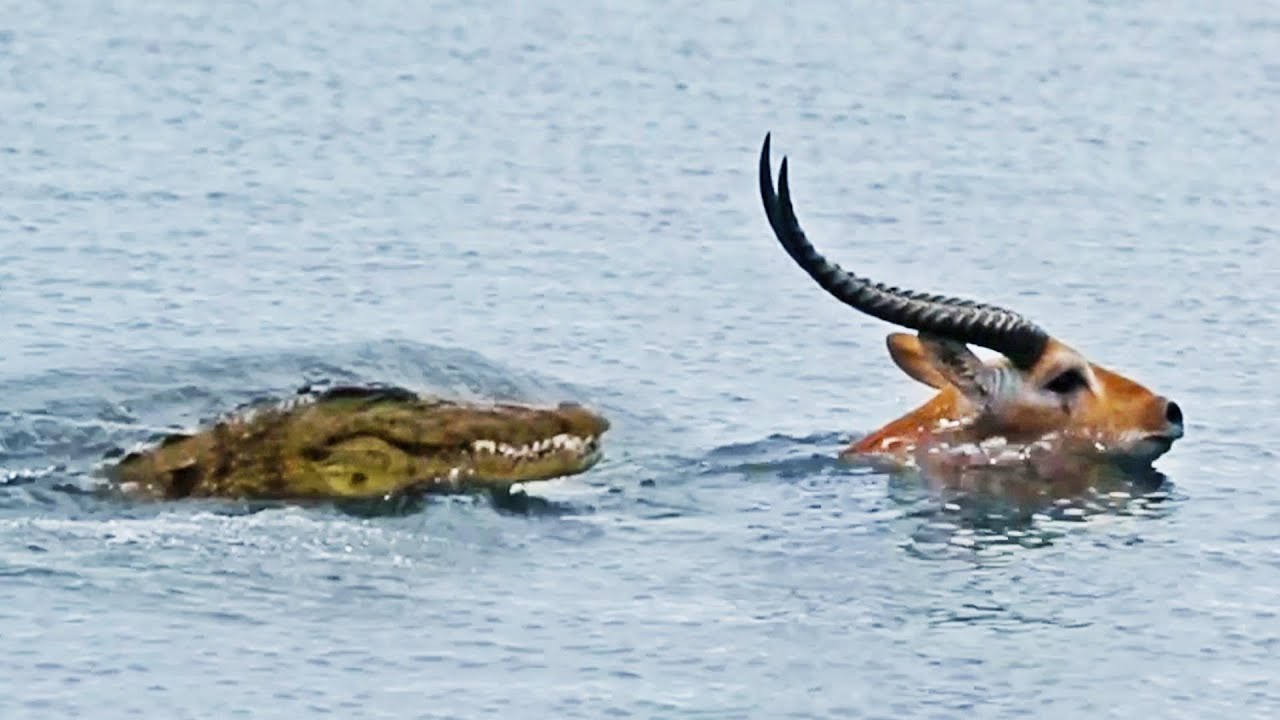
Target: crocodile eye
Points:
(1066, 382)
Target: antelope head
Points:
(1039, 389)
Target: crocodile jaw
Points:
(366, 446)
(561, 454)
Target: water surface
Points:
(207, 203)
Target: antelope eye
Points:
(1067, 381)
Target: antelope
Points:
(1039, 390)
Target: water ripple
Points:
(208, 204)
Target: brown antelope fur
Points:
(1111, 410)
(1040, 389)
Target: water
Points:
(206, 203)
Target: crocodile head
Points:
(359, 442)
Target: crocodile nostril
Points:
(1173, 413)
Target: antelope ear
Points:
(911, 357)
(953, 360)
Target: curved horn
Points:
(989, 326)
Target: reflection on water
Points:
(208, 203)
(985, 499)
(996, 507)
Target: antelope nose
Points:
(1173, 413)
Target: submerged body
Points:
(365, 443)
(1041, 393)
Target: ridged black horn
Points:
(989, 326)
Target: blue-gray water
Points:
(202, 203)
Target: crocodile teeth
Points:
(562, 441)
(537, 448)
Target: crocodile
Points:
(364, 442)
